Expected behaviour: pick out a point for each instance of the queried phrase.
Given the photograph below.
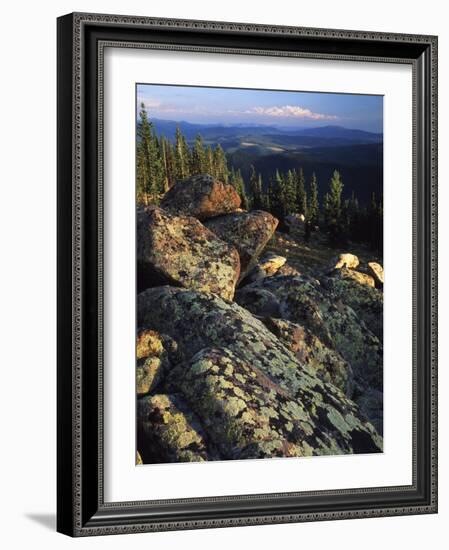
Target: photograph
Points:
(259, 273)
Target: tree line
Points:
(161, 162)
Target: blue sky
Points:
(274, 108)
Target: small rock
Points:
(357, 276)
(287, 269)
(179, 250)
(267, 266)
(201, 196)
(344, 260)
(377, 272)
(271, 263)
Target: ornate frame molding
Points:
(82, 512)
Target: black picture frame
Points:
(81, 509)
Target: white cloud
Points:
(290, 111)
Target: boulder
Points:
(201, 196)
(271, 263)
(153, 353)
(364, 299)
(249, 232)
(321, 308)
(258, 301)
(344, 260)
(328, 364)
(287, 269)
(377, 272)
(197, 321)
(296, 223)
(167, 431)
(240, 407)
(357, 276)
(179, 250)
(268, 265)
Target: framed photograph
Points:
(247, 284)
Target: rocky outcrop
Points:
(168, 431)
(201, 196)
(249, 232)
(180, 251)
(199, 321)
(154, 353)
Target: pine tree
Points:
(301, 196)
(182, 156)
(164, 164)
(209, 160)
(334, 219)
(220, 164)
(198, 158)
(236, 180)
(276, 196)
(313, 210)
(255, 187)
(290, 193)
(152, 181)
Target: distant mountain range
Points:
(357, 154)
(190, 130)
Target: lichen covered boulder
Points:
(324, 311)
(153, 354)
(365, 300)
(167, 431)
(328, 364)
(197, 321)
(201, 196)
(240, 407)
(321, 310)
(179, 250)
(259, 301)
(249, 232)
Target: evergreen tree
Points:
(255, 187)
(220, 164)
(152, 181)
(236, 180)
(301, 195)
(209, 159)
(276, 196)
(198, 158)
(313, 210)
(334, 218)
(290, 193)
(182, 156)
